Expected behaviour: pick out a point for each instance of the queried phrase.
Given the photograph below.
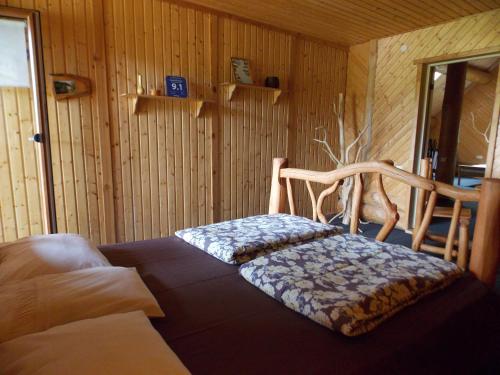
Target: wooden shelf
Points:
(140, 100)
(233, 87)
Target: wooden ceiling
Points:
(349, 22)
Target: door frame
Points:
(37, 74)
(425, 68)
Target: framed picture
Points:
(66, 86)
(176, 86)
(241, 70)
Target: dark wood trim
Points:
(451, 113)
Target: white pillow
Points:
(42, 302)
(47, 254)
(114, 344)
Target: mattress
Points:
(217, 323)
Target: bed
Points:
(217, 323)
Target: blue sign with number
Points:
(176, 86)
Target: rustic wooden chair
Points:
(484, 254)
(458, 215)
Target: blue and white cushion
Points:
(348, 283)
(238, 241)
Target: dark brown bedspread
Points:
(217, 323)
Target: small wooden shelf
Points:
(233, 87)
(140, 100)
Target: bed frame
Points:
(485, 246)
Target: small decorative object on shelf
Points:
(140, 87)
(273, 82)
(241, 70)
(154, 92)
(176, 86)
(68, 86)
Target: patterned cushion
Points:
(238, 241)
(348, 283)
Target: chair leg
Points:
(463, 243)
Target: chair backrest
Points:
(282, 188)
(455, 217)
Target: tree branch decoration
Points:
(485, 134)
(344, 158)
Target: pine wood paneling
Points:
(20, 201)
(350, 22)
(253, 130)
(68, 31)
(356, 89)
(174, 171)
(123, 177)
(118, 175)
(319, 78)
(394, 117)
(162, 158)
(76, 126)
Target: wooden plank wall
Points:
(318, 79)
(395, 108)
(252, 129)
(162, 158)
(121, 177)
(356, 88)
(167, 170)
(20, 201)
(69, 32)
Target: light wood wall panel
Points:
(162, 158)
(356, 89)
(319, 76)
(173, 171)
(123, 177)
(395, 109)
(252, 129)
(20, 200)
(77, 126)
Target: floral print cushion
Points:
(238, 241)
(348, 283)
